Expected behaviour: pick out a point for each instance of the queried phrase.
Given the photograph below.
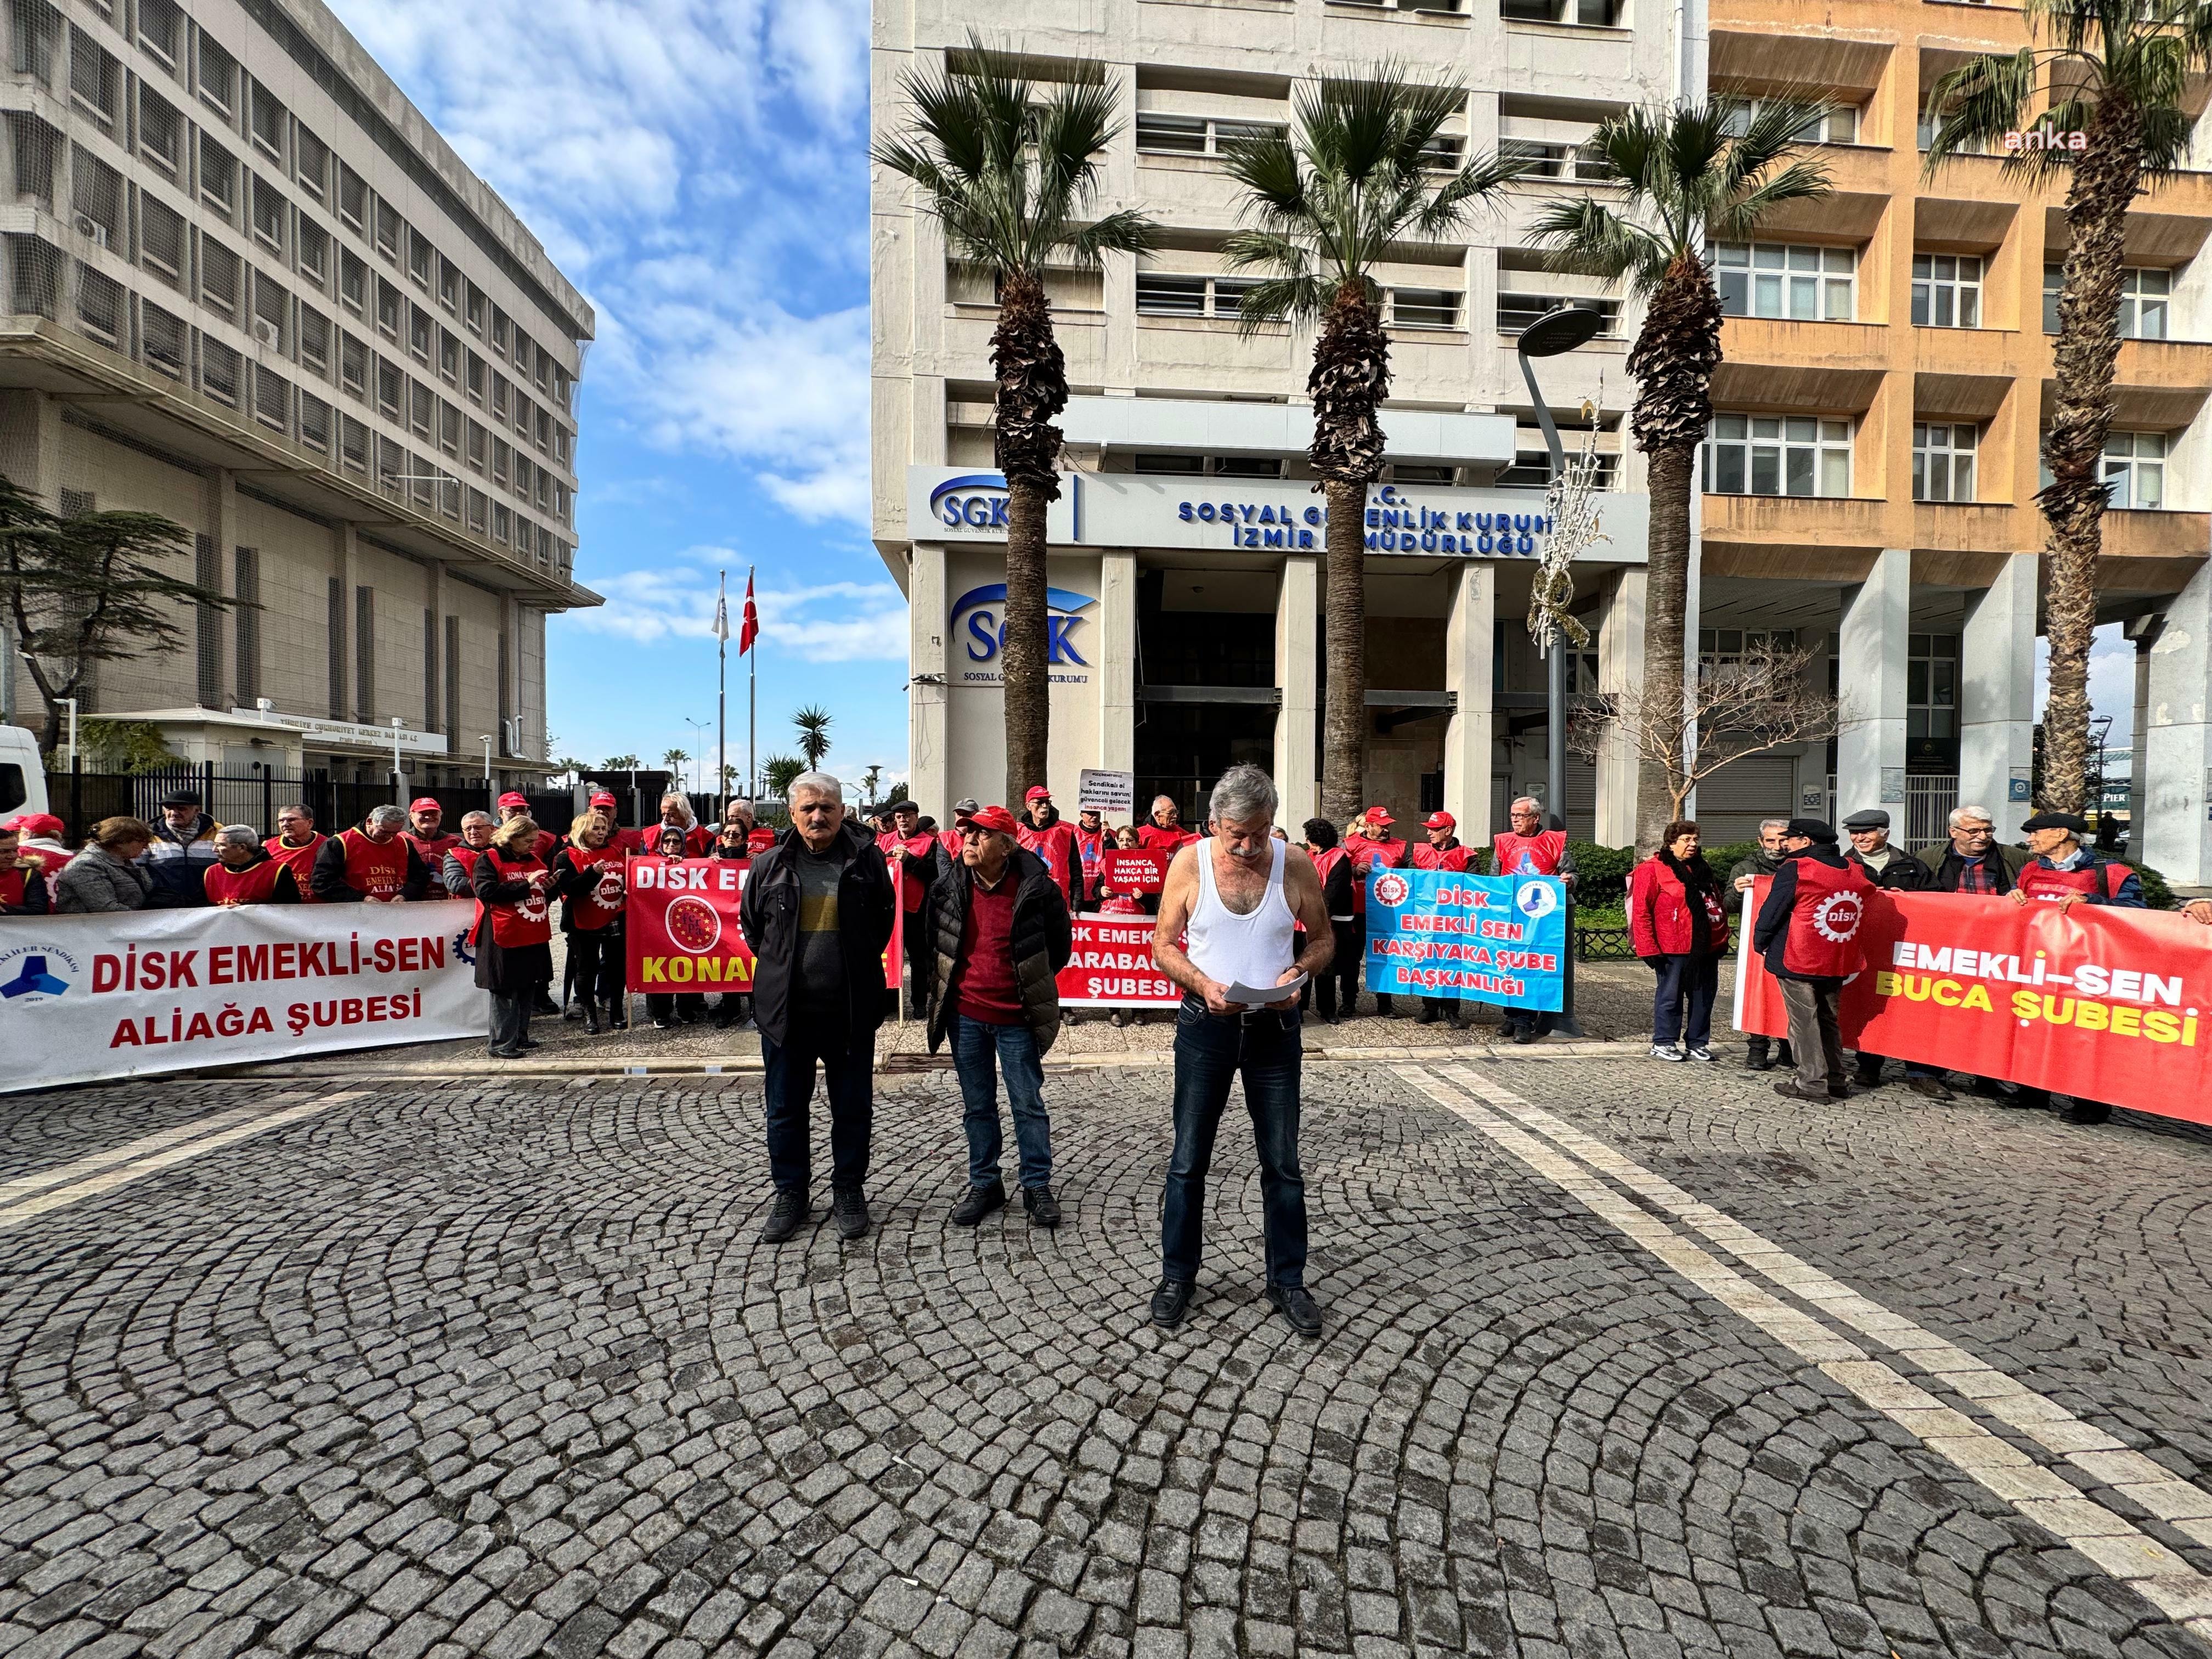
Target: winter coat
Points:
(178, 861)
(1769, 933)
(768, 916)
(1659, 919)
(97, 881)
(1904, 873)
(1041, 943)
(1944, 865)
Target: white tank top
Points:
(1251, 950)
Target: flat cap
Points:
(2066, 821)
(1871, 817)
(1812, 829)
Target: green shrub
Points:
(2156, 893)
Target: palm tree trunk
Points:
(1022, 659)
(2107, 176)
(1661, 784)
(1344, 745)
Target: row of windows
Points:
(1807, 455)
(1531, 468)
(1160, 293)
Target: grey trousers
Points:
(510, 1018)
(1813, 1034)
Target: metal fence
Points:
(1927, 805)
(81, 798)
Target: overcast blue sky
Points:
(697, 168)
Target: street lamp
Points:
(398, 778)
(699, 730)
(486, 739)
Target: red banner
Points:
(2103, 1004)
(680, 923)
(1133, 869)
(1113, 966)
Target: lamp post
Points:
(699, 730)
(398, 778)
(486, 739)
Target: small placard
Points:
(1114, 794)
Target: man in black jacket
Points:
(817, 915)
(999, 936)
(1765, 859)
(1807, 932)
(1896, 871)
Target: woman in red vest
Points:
(1529, 849)
(734, 842)
(1809, 932)
(587, 875)
(245, 873)
(1679, 923)
(513, 933)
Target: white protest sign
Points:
(1114, 794)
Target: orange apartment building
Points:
(1874, 456)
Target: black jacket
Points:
(327, 880)
(1904, 873)
(1771, 932)
(1042, 944)
(1946, 868)
(769, 918)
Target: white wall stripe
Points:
(56, 1198)
(2111, 1541)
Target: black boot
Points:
(977, 1202)
(591, 1018)
(1756, 1057)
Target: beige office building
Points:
(251, 288)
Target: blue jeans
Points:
(1694, 980)
(979, 1051)
(1262, 1048)
(849, 1071)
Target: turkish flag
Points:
(750, 630)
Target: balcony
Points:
(1796, 520)
(2141, 535)
(1975, 527)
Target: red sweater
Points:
(984, 986)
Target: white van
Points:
(22, 775)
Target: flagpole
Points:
(752, 701)
(722, 695)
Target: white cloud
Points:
(831, 622)
(2111, 681)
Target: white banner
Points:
(87, 997)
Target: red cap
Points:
(603, 799)
(37, 824)
(991, 818)
(1037, 792)
(424, 804)
(1376, 815)
(1440, 821)
(513, 797)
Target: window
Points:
(353, 197)
(524, 355)
(1160, 293)
(160, 133)
(354, 443)
(99, 307)
(1219, 466)
(218, 75)
(391, 391)
(476, 379)
(1532, 469)
(272, 310)
(1802, 284)
(1929, 125)
(499, 460)
(267, 121)
(314, 423)
(1778, 455)
(1515, 311)
(422, 409)
(388, 229)
(38, 152)
(315, 340)
(218, 371)
(1196, 135)
(544, 429)
(218, 276)
(166, 340)
(161, 238)
(268, 214)
(95, 78)
(1838, 126)
(420, 257)
(562, 438)
(33, 276)
(314, 170)
(1424, 307)
(499, 330)
(314, 251)
(478, 438)
(2135, 469)
(418, 334)
(1946, 292)
(498, 398)
(472, 313)
(161, 30)
(1542, 159)
(353, 367)
(502, 522)
(353, 282)
(449, 283)
(525, 476)
(449, 357)
(1942, 462)
(272, 400)
(449, 428)
(1931, 687)
(1721, 651)
(390, 308)
(218, 176)
(479, 516)
(2146, 297)
(1587, 14)
(95, 198)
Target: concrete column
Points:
(1297, 672)
(2143, 633)
(1117, 661)
(1470, 737)
(1873, 644)
(928, 757)
(435, 668)
(2176, 837)
(345, 562)
(1996, 696)
(223, 532)
(1620, 669)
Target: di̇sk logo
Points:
(985, 609)
(1837, 917)
(32, 974)
(1391, 888)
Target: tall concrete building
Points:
(251, 288)
(1868, 481)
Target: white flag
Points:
(722, 615)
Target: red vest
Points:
(594, 909)
(252, 886)
(1426, 857)
(11, 886)
(302, 859)
(468, 855)
(1089, 844)
(760, 840)
(1529, 855)
(432, 849)
(2039, 881)
(950, 841)
(1154, 839)
(1365, 854)
(377, 872)
(516, 923)
(1823, 940)
(52, 863)
(1054, 844)
(1325, 861)
(917, 848)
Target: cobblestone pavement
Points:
(463, 1369)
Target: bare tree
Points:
(1743, 704)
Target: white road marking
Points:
(125, 1164)
(2108, 1540)
(76, 1167)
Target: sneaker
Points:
(1293, 1302)
(786, 1217)
(1930, 1088)
(977, 1202)
(849, 1207)
(1704, 1056)
(664, 1025)
(1171, 1301)
(1042, 1206)
(1657, 1053)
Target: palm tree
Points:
(779, 770)
(1357, 178)
(1688, 170)
(1011, 175)
(2120, 74)
(813, 722)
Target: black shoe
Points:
(529, 1045)
(1172, 1301)
(1867, 1079)
(1527, 1034)
(1757, 1059)
(2029, 1100)
(1295, 1305)
(1043, 1207)
(545, 1004)
(2087, 1111)
(1789, 1089)
(504, 1054)
(573, 1012)
(977, 1202)
(1988, 1088)
(664, 1024)
(786, 1217)
(1844, 1091)
(1930, 1088)
(1426, 1017)
(591, 1021)
(849, 1207)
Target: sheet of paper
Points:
(1255, 996)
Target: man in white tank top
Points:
(1229, 915)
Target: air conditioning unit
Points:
(86, 225)
(267, 333)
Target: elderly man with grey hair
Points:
(817, 913)
(1766, 860)
(374, 864)
(1229, 916)
(244, 872)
